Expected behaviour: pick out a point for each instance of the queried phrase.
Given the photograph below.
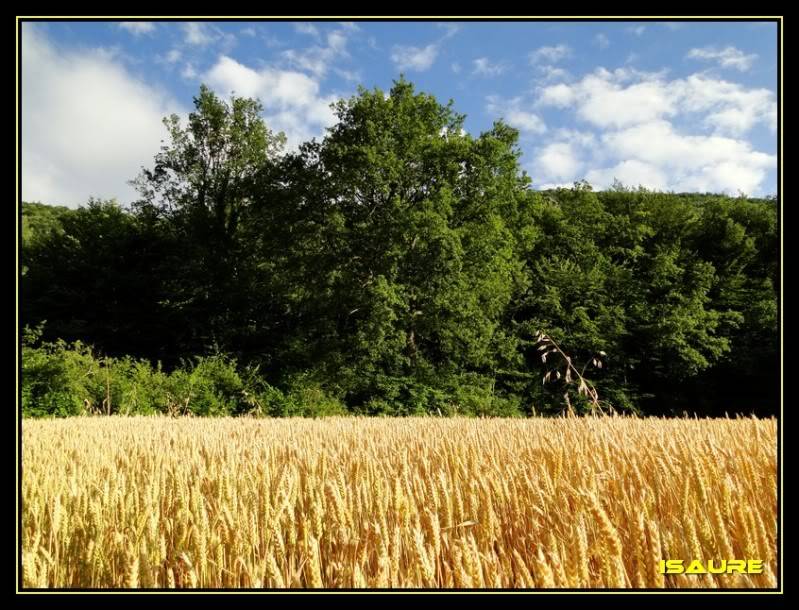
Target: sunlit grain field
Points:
(368, 503)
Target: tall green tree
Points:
(207, 170)
(200, 191)
(412, 259)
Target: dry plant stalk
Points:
(571, 374)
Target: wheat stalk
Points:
(344, 502)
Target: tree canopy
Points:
(402, 265)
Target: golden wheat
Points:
(428, 502)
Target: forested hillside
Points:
(400, 265)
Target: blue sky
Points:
(687, 106)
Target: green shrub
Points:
(61, 379)
(446, 395)
(305, 397)
(57, 379)
(212, 387)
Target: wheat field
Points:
(394, 503)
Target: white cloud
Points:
(658, 142)
(525, 121)
(450, 29)
(420, 59)
(638, 142)
(693, 162)
(551, 54)
(352, 76)
(515, 115)
(292, 101)
(414, 58)
(728, 57)
(631, 172)
(171, 57)
(609, 105)
(598, 97)
(485, 67)
(456, 67)
(563, 160)
(249, 31)
(602, 41)
(653, 155)
(551, 73)
(137, 28)
(199, 34)
(636, 30)
(582, 139)
(560, 95)
(318, 59)
(730, 107)
(202, 34)
(229, 76)
(189, 72)
(87, 124)
(306, 28)
(559, 161)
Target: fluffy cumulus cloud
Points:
(189, 72)
(728, 107)
(728, 57)
(564, 160)
(633, 172)
(318, 58)
(559, 161)
(560, 96)
(199, 34)
(551, 74)
(292, 100)
(685, 134)
(485, 67)
(422, 58)
(551, 54)
(605, 103)
(417, 59)
(306, 28)
(513, 112)
(88, 125)
(692, 162)
(627, 97)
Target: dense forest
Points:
(399, 265)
